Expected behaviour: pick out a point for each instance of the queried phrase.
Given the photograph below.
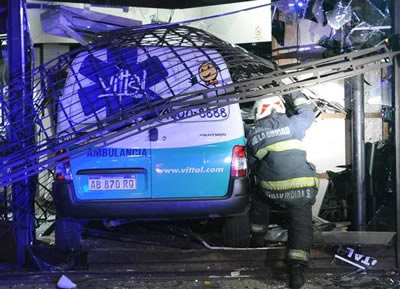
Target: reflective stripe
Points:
(261, 153)
(290, 183)
(300, 101)
(292, 144)
(295, 254)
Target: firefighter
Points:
(283, 176)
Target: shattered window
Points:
(363, 23)
(355, 24)
(371, 24)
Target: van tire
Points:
(236, 231)
(68, 234)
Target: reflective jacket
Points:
(276, 143)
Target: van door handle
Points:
(153, 134)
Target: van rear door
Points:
(99, 84)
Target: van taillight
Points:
(63, 169)
(239, 162)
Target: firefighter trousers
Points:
(299, 219)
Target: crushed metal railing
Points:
(58, 138)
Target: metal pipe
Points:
(22, 192)
(396, 101)
(196, 237)
(358, 149)
(371, 179)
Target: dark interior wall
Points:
(262, 49)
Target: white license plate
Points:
(112, 183)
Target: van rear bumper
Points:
(236, 203)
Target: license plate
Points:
(112, 183)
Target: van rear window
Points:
(102, 84)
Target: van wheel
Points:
(236, 231)
(68, 234)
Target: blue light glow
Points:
(297, 4)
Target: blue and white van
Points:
(192, 168)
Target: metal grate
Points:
(135, 79)
(127, 82)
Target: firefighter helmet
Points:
(268, 105)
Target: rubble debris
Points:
(276, 234)
(279, 234)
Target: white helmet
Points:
(266, 106)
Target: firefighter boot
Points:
(296, 275)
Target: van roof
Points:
(241, 63)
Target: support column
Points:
(356, 89)
(20, 108)
(396, 100)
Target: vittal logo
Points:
(119, 82)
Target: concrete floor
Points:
(123, 260)
(327, 281)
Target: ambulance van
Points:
(191, 168)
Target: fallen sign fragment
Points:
(350, 256)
